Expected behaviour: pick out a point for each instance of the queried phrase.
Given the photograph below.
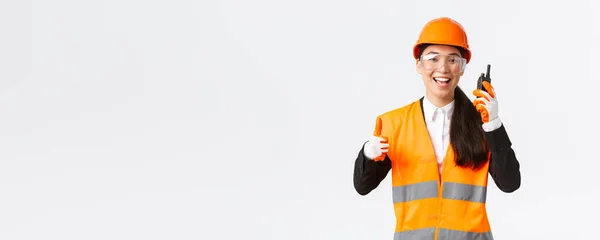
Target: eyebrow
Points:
(434, 52)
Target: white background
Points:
(242, 119)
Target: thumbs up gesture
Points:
(376, 148)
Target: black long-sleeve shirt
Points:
(504, 166)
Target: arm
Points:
(504, 166)
(368, 173)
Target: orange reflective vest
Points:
(428, 205)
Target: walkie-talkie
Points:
(483, 77)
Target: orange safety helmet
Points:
(445, 31)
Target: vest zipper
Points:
(440, 191)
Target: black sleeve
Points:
(368, 174)
(504, 166)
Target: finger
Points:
(482, 100)
(379, 139)
(375, 140)
(480, 107)
(488, 87)
(480, 104)
(485, 116)
(483, 111)
(385, 145)
(384, 150)
(487, 95)
(478, 101)
(479, 93)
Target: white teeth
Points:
(442, 79)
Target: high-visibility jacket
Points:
(427, 204)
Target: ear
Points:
(419, 70)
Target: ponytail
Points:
(466, 133)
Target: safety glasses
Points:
(434, 61)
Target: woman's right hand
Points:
(376, 148)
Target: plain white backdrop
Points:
(242, 119)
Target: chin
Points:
(443, 92)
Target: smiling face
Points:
(440, 67)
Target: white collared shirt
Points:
(438, 126)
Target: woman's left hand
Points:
(486, 103)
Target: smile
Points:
(442, 80)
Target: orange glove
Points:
(486, 103)
(376, 148)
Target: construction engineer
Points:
(441, 147)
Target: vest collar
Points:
(430, 111)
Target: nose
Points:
(443, 68)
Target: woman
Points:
(441, 147)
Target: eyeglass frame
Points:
(463, 63)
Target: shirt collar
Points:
(432, 112)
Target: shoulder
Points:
(400, 112)
(391, 121)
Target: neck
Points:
(439, 102)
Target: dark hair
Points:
(466, 132)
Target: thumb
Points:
(379, 138)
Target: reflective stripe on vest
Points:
(423, 190)
(451, 190)
(443, 234)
